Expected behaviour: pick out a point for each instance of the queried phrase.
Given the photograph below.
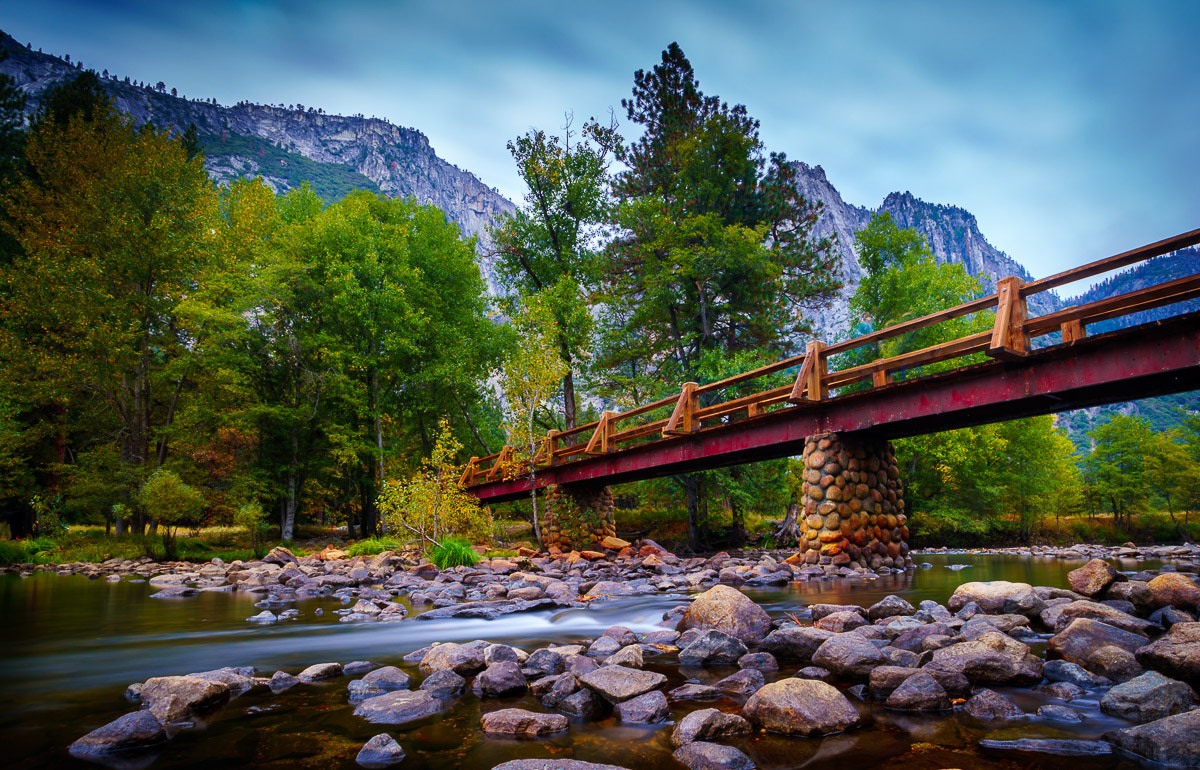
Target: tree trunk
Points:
(287, 526)
(568, 383)
(692, 485)
(377, 525)
(788, 530)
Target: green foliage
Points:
(375, 545)
(453, 552)
(171, 503)
(13, 552)
(251, 518)
(330, 181)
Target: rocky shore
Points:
(1130, 640)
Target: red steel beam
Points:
(1148, 360)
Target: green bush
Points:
(375, 545)
(172, 503)
(251, 518)
(453, 552)
(13, 552)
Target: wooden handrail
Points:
(1115, 262)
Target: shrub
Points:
(375, 545)
(171, 503)
(453, 552)
(13, 552)
(251, 518)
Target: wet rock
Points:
(919, 692)
(630, 657)
(888, 607)
(1174, 589)
(1061, 690)
(380, 751)
(1170, 741)
(1057, 713)
(238, 680)
(1063, 747)
(712, 648)
(1136, 593)
(815, 672)
(707, 724)
(848, 655)
(998, 597)
(712, 756)
(500, 653)
(281, 556)
(1100, 648)
(801, 707)
(136, 730)
(726, 609)
(397, 708)
(500, 680)
(459, 658)
(760, 661)
(553, 764)
(617, 683)
(622, 635)
(650, 708)
(795, 642)
(1093, 578)
(549, 663)
(913, 639)
(694, 691)
(603, 647)
(584, 704)
(1170, 616)
(1065, 671)
(172, 698)
(745, 682)
(898, 657)
(320, 672)
(1105, 614)
(989, 704)
(266, 616)
(281, 681)
(552, 689)
(1148, 697)
(520, 723)
(443, 685)
(841, 622)
(1176, 653)
(993, 658)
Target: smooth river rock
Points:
(459, 658)
(849, 655)
(729, 610)
(522, 724)
(711, 756)
(1100, 648)
(1176, 653)
(1148, 697)
(380, 751)
(135, 730)
(172, 698)
(992, 658)
(617, 683)
(998, 597)
(707, 724)
(1175, 589)
(801, 707)
(397, 708)
(1171, 741)
(1093, 578)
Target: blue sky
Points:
(1068, 128)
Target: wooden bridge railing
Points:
(1009, 339)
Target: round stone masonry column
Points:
(852, 504)
(577, 517)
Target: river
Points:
(70, 646)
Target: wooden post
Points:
(1009, 338)
(468, 475)
(682, 421)
(601, 441)
(1073, 331)
(552, 446)
(497, 470)
(880, 378)
(810, 382)
(754, 409)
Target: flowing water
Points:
(70, 646)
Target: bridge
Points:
(715, 424)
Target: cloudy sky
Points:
(1068, 128)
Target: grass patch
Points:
(453, 552)
(375, 545)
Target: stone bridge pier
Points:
(852, 503)
(577, 516)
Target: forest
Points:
(175, 353)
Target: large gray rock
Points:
(520, 723)
(617, 683)
(136, 730)
(500, 680)
(1148, 697)
(239, 680)
(745, 682)
(459, 658)
(443, 685)
(1066, 671)
(172, 698)
(998, 597)
(553, 764)
(1174, 589)
(890, 606)
(849, 655)
(711, 756)
(795, 642)
(712, 648)
(319, 672)
(1176, 653)
(919, 692)
(398, 708)
(584, 704)
(1093, 578)
(727, 609)
(801, 707)
(1100, 648)
(380, 751)
(1103, 613)
(649, 708)
(992, 658)
(1170, 741)
(841, 622)
(989, 704)
(707, 724)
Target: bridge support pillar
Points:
(577, 517)
(852, 504)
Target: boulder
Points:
(172, 698)
(520, 723)
(397, 708)
(1174, 589)
(1136, 593)
(500, 680)
(840, 622)
(459, 658)
(1169, 741)
(760, 661)
(1148, 697)
(745, 682)
(695, 692)
(282, 681)
(989, 704)
(913, 639)
(319, 672)
(1065, 671)
(135, 730)
(1100, 648)
(801, 707)
(443, 685)
(729, 610)
(544, 660)
(239, 680)
(649, 708)
(617, 683)
(992, 658)
(603, 647)
(888, 607)
(712, 648)
(848, 655)
(281, 556)
(584, 704)
(1105, 614)
(998, 597)
(380, 751)
(553, 764)
(919, 692)
(1093, 578)
(1063, 747)
(1176, 653)
(1057, 713)
(630, 656)
(707, 724)
(795, 642)
(701, 755)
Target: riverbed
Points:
(71, 645)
